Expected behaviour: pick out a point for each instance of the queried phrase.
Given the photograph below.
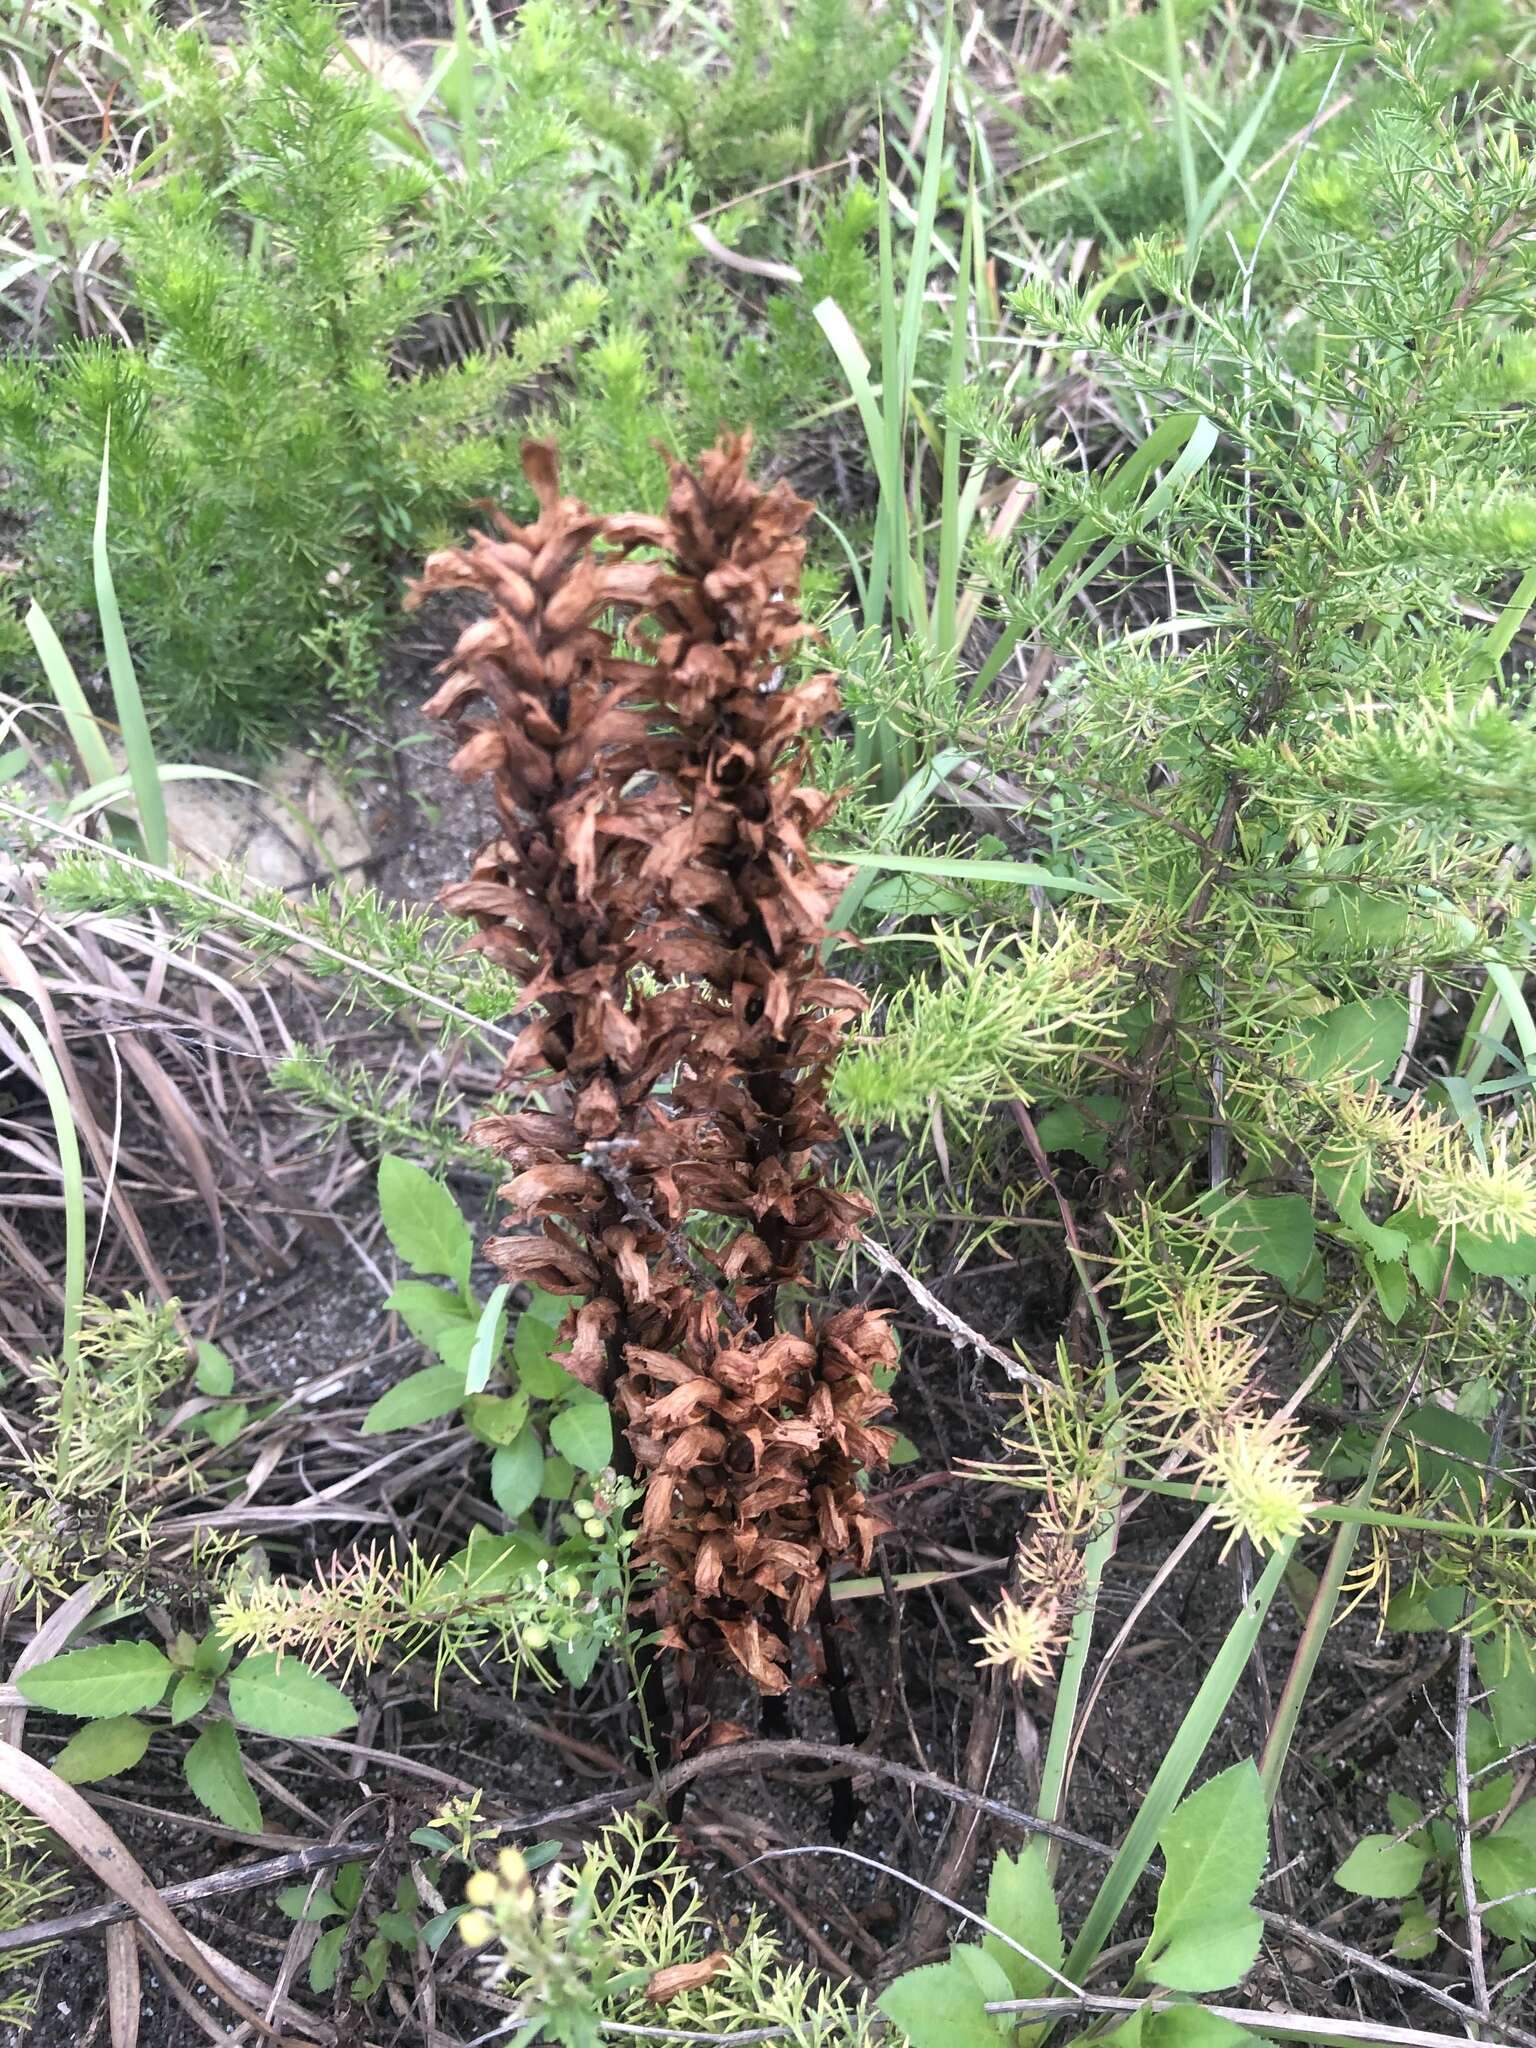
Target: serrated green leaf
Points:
(213, 1374)
(102, 1749)
(1205, 1934)
(516, 1471)
(215, 1770)
(287, 1699)
(583, 1433)
(1391, 1284)
(1380, 1867)
(100, 1683)
(1022, 1904)
(193, 1691)
(987, 1974)
(496, 1419)
(423, 1221)
(424, 1396)
(940, 2006)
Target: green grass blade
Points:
(1178, 1767)
(1501, 634)
(891, 516)
(80, 720)
(1025, 873)
(134, 726)
(1184, 440)
(947, 596)
(836, 326)
(1183, 128)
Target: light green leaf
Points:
(1505, 1862)
(422, 1397)
(984, 1971)
(1497, 1258)
(490, 1334)
(1274, 1233)
(287, 1699)
(428, 1311)
(496, 1419)
(940, 2006)
(216, 1773)
(423, 1221)
(1021, 1902)
(559, 1478)
(102, 1749)
(101, 1683)
(1191, 2026)
(515, 1474)
(1390, 1281)
(300, 1903)
(214, 1373)
(583, 1433)
(539, 1372)
(577, 1660)
(1363, 1040)
(1506, 1666)
(1417, 1936)
(1024, 874)
(325, 1958)
(1379, 1867)
(1205, 1934)
(194, 1689)
(224, 1423)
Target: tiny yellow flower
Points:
(481, 1889)
(476, 1929)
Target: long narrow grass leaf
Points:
(132, 722)
(1178, 1767)
(80, 720)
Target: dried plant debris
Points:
(652, 889)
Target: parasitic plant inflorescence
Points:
(652, 889)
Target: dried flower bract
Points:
(652, 888)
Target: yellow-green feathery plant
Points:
(622, 1938)
(1284, 1073)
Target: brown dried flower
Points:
(652, 889)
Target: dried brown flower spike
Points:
(652, 889)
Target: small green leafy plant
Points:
(1205, 1937)
(111, 1686)
(1419, 1866)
